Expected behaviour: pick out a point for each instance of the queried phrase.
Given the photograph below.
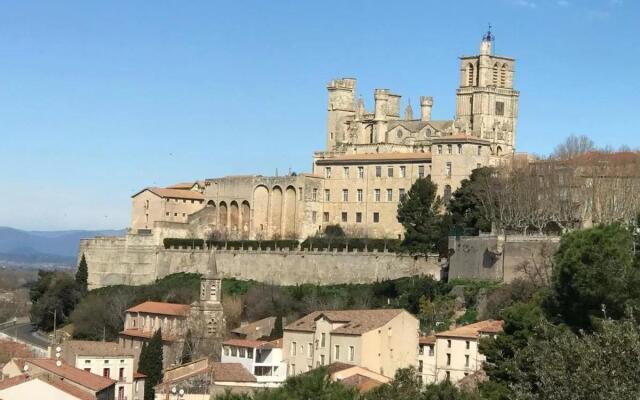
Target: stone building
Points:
(372, 158)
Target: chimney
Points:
(426, 103)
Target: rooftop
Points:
(356, 322)
(173, 193)
(146, 334)
(231, 372)
(155, 307)
(427, 340)
(69, 389)
(473, 331)
(81, 377)
(375, 157)
(254, 344)
(74, 348)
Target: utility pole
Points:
(55, 316)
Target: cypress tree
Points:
(151, 364)
(82, 275)
(187, 349)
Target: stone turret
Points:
(341, 108)
(426, 104)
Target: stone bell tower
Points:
(208, 315)
(487, 103)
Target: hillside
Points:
(42, 247)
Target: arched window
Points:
(498, 150)
(470, 75)
(496, 71)
(503, 75)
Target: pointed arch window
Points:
(496, 72)
(470, 75)
(503, 75)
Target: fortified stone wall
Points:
(482, 257)
(136, 260)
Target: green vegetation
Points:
(465, 207)
(82, 276)
(341, 243)
(150, 364)
(419, 214)
(54, 294)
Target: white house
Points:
(261, 358)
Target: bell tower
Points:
(208, 315)
(486, 102)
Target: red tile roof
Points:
(376, 157)
(231, 372)
(9, 382)
(146, 334)
(69, 389)
(356, 322)
(87, 379)
(473, 331)
(182, 185)
(427, 340)
(156, 307)
(254, 344)
(173, 193)
(138, 375)
(362, 383)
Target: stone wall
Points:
(481, 257)
(137, 260)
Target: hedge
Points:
(311, 243)
(254, 244)
(183, 243)
(344, 243)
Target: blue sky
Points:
(100, 99)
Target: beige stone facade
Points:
(382, 341)
(372, 158)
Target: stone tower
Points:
(341, 108)
(208, 315)
(487, 104)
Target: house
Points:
(262, 359)
(382, 341)
(107, 359)
(362, 379)
(453, 354)
(143, 320)
(255, 330)
(100, 387)
(203, 377)
(41, 388)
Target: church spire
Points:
(487, 41)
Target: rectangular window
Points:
(292, 350)
(325, 216)
(401, 194)
(431, 350)
(420, 171)
(468, 344)
(403, 171)
(358, 217)
(344, 217)
(88, 369)
(167, 214)
(376, 217)
(360, 195)
(439, 149)
(249, 353)
(389, 194)
(478, 165)
(314, 216)
(378, 171)
(419, 365)
(376, 194)
(293, 369)
(459, 149)
(448, 169)
(321, 359)
(390, 172)
(345, 195)
(327, 195)
(327, 172)
(242, 352)
(121, 374)
(309, 349)
(314, 194)
(352, 353)
(448, 358)
(499, 108)
(449, 343)
(466, 360)
(322, 340)
(448, 149)
(234, 352)
(479, 150)
(336, 352)
(345, 171)
(106, 372)
(360, 172)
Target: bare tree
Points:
(573, 146)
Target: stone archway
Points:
(245, 220)
(276, 212)
(260, 228)
(289, 217)
(234, 217)
(223, 220)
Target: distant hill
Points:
(41, 247)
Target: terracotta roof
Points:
(87, 379)
(138, 375)
(155, 307)
(182, 185)
(69, 389)
(231, 372)
(277, 343)
(427, 340)
(375, 157)
(356, 322)
(146, 334)
(460, 138)
(14, 349)
(256, 326)
(254, 344)
(337, 367)
(173, 193)
(362, 383)
(74, 348)
(472, 331)
(9, 382)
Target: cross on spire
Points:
(488, 37)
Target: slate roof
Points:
(156, 307)
(356, 322)
(473, 331)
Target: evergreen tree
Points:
(277, 331)
(464, 207)
(150, 364)
(82, 276)
(418, 212)
(187, 348)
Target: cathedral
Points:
(371, 159)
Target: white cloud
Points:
(525, 3)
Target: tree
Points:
(418, 212)
(334, 231)
(573, 146)
(82, 276)
(55, 293)
(150, 364)
(594, 276)
(187, 348)
(277, 331)
(465, 207)
(405, 385)
(315, 384)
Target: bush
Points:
(183, 243)
(346, 243)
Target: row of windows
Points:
(241, 352)
(359, 195)
(402, 172)
(350, 356)
(174, 214)
(439, 149)
(344, 217)
(183, 200)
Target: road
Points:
(26, 333)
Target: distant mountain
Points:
(36, 247)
